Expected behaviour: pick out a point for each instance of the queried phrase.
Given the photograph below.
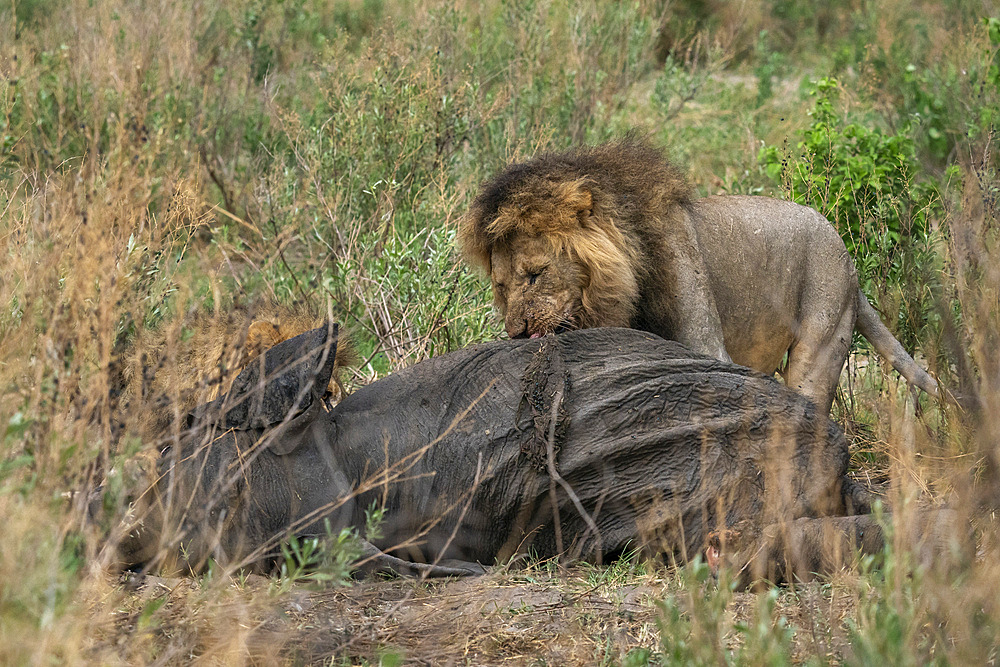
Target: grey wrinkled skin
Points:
(659, 446)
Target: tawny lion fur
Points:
(611, 236)
(170, 370)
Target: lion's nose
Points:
(517, 330)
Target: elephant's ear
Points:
(285, 382)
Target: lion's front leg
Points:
(697, 323)
(685, 311)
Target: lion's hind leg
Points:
(816, 358)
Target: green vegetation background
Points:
(158, 159)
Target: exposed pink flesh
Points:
(536, 335)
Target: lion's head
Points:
(555, 266)
(557, 235)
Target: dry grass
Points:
(578, 617)
(162, 165)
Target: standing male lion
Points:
(610, 236)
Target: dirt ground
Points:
(582, 616)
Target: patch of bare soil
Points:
(496, 619)
(499, 618)
(578, 617)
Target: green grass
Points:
(163, 161)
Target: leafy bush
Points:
(866, 181)
(942, 104)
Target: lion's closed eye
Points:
(534, 274)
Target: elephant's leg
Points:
(374, 560)
(799, 550)
(794, 550)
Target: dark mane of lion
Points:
(627, 180)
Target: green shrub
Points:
(941, 103)
(696, 628)
(869, 183)
(865, 180)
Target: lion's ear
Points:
(575, 195)
(473, 239)
(260, 336)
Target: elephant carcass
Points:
(591, 444)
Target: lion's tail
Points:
(872, 328)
